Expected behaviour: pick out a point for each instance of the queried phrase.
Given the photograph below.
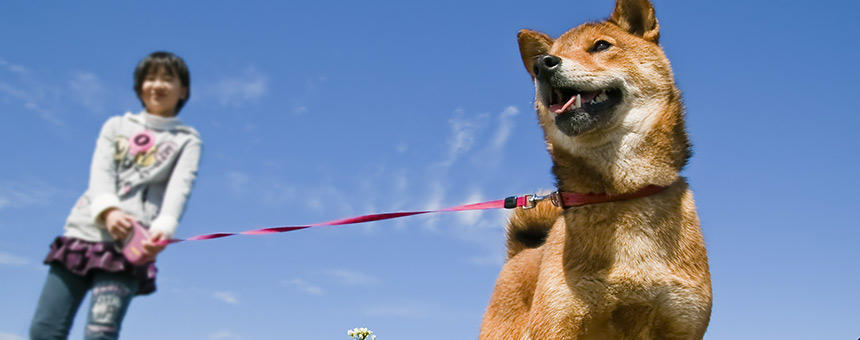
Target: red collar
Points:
(573, 199)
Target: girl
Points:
(142, 169)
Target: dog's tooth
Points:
(578, 102)
(602, 97)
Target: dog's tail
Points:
(528, 228)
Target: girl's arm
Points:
(103, 172)
(178, 189)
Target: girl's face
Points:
(161, 91)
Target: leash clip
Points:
(531, 200)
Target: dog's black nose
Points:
(546, 65)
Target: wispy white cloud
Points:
(12, 260)
(20, 194)
(10, 91)
(352, 278)
(19, 85)
(468, 136)
(462, 138)
(52, 97)
(6, 66)
(431, 187)
(87, 89)
(487, 233)
(10, 336)
(303, 286)
(434, 201)
(13, 67)
(224, 335)
(437, 184)
(401, 182)
(506, 125)
(492, 151)
(226, 297)
(236, 91)
(470, 218)
(435, 196)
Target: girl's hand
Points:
(156, 243)
(118, 223)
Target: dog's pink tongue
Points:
(583, 98)
(559, 109)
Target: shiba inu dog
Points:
(623, 256)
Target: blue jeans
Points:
(63, 293)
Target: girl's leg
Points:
(60, 299)
(111, 296)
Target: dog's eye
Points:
(600, 45)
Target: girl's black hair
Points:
(171, 63)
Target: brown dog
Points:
(632, 263)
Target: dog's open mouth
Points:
(577, 111)
(568, 99)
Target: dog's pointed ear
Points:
(637, 17)
(532, 44)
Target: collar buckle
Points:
(532, 200)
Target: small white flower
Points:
(361, 334)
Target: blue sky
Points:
(316, 110)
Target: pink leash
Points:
(525, 201)
(559, 199)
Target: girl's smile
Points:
(161, 91)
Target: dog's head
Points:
(599, 81)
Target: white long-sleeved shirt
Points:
(152, 185)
